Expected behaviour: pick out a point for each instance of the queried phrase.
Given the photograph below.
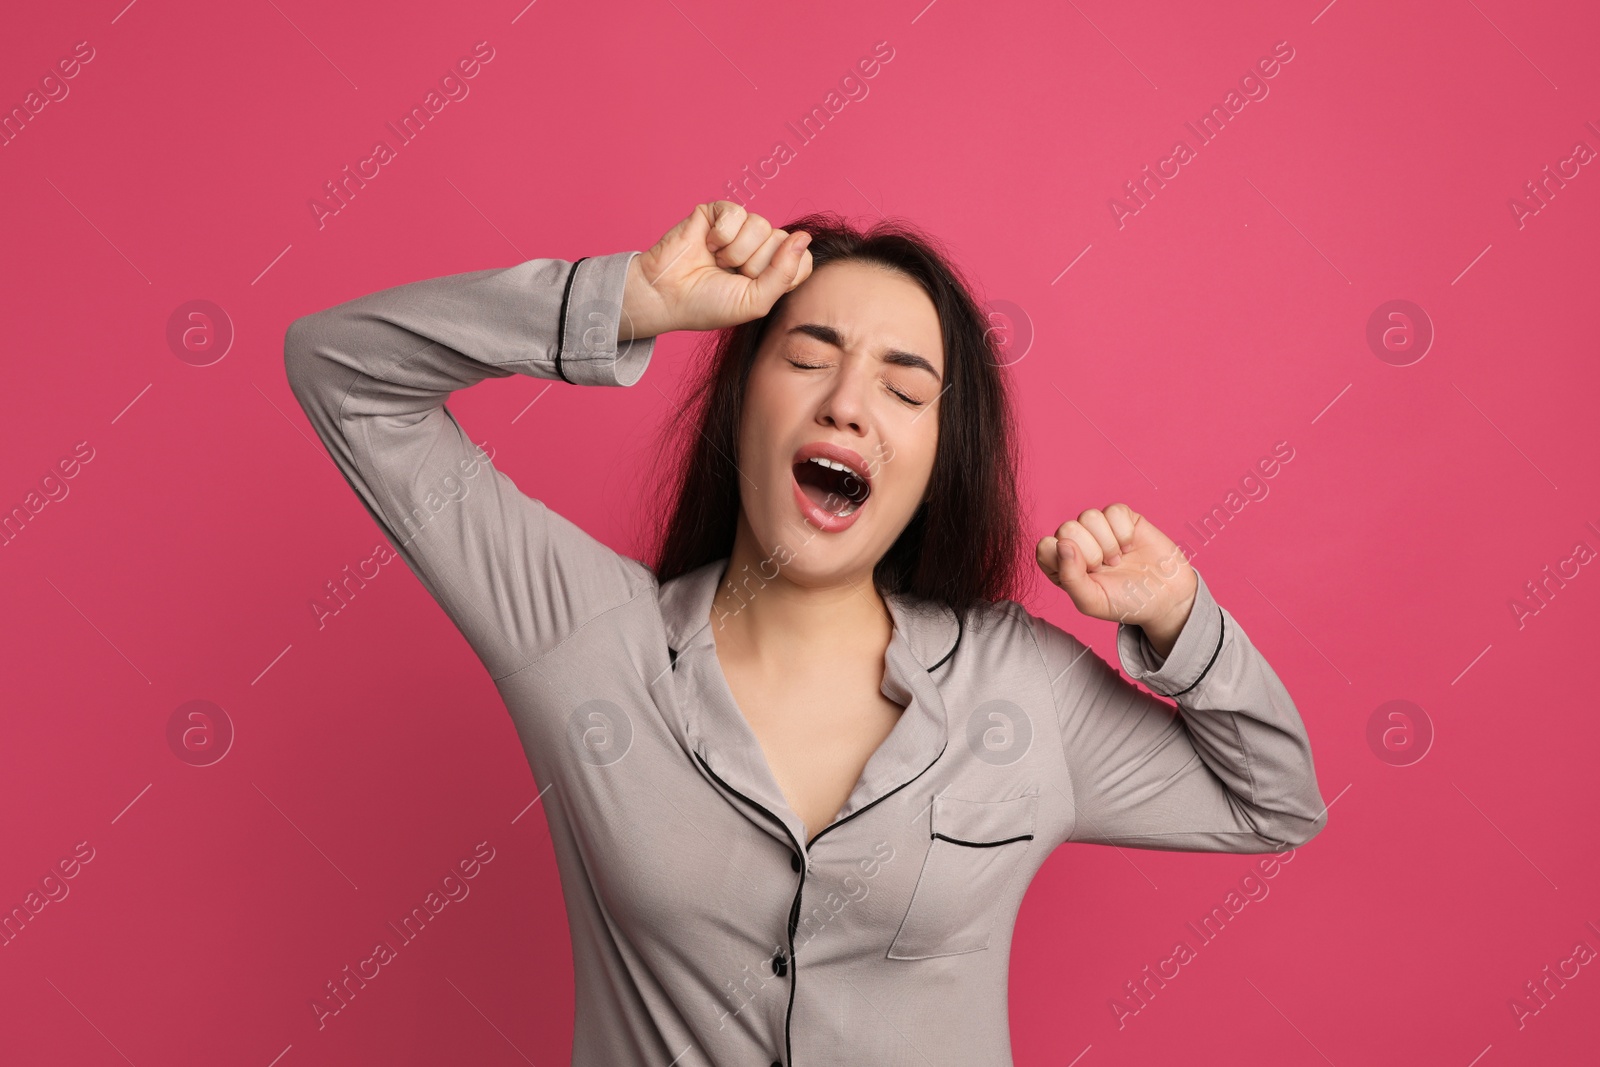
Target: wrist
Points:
(643, 310)
(1163, 633)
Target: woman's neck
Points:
(760, 615)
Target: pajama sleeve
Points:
(373, 375)
(1229, 770)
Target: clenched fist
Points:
(719, 267)
(1115, 565)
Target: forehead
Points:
(873, 308)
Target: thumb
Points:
(1061, 558)
(789, 267)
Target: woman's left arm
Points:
(1232, 770)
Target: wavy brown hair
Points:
(962, 546)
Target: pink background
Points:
(1229, 314)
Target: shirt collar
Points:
(928, 629)
(925, 636)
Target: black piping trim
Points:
(960, 628)
(881, 799)
(982, 844)
(1214, 654)
(794, 906)
(561, 319)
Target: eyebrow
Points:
(829, 335)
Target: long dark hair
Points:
(962, 546)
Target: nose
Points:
(844, 407)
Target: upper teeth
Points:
(831, 464)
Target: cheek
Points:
(909, 468)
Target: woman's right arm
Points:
(373, 375)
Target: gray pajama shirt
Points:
(705, 928)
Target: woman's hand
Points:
(719, 267)
(1116, 566)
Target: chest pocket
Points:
(975, 850)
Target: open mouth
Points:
(835, 487)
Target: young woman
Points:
(801, 772)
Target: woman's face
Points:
(850, 370)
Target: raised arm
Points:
(373, 375)
(1229, 771)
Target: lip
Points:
(816, 516)
(839, 454)
(825, 521)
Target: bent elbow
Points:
(1292, 831)
(300, 349)
(312, 360)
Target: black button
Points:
(780, 964)
(794, 864)
(777, 1063)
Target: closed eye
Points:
(822, 366)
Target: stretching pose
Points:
(801, 771)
